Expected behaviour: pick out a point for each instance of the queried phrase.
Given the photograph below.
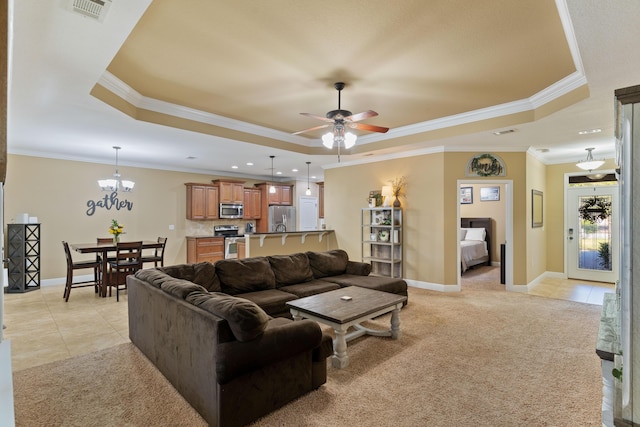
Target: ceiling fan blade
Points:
(313, 116)
(361, 116)
(370, 128)
(312, 129)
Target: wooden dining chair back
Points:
(158, 254)
(79, 265)
(127, 261)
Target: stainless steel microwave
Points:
(231, 211)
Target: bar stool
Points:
(80, 265)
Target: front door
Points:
(592, 224)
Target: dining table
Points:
(103, 249)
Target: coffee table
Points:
(347, 307)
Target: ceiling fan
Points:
(340, 119)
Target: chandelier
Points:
(115, 183)
(589, 164)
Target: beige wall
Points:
(554, 212)
(536, 237)
(430, 210)
(496, 210)
(57, 191)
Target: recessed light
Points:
(504, 132)
(234, 167)
(589, 131)
(249, 164)
(313, 177)
(278, 173)
(543, 150)
(294, 170)
(191, 158)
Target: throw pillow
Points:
(246, 320)
(475, 234)
(290, 269)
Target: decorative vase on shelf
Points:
(396, 203)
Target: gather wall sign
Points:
(110, 201)
(485, 165)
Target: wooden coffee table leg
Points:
(395, 324)
(340, 359)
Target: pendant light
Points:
(589, 164)
(116, 184)
(308, 192)
(272, 188)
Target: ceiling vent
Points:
(96, 9)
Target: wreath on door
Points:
(595, 209)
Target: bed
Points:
(475, 242)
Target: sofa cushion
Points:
(313, 287)
(377, 283)
(202, 273)
(272, 301)
(282, 339)
(290, 269)
(245, 275)
(180, 288)
(246, 320)
(328, 263)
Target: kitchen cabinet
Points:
(381, 238)
(321, 200)
(202, 201)
(252, 202)
(283, 195)
(201, 249)
(230, 191)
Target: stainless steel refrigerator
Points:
(282, 218)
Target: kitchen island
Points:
(263, 244)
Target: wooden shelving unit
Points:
(381, 237)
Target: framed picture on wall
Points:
(489, 194)
(466, 195)
(536, 209)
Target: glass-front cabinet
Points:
(381, 231)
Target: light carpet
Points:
(480, 357)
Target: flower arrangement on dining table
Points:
(116, 230)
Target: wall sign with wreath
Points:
(485, 165)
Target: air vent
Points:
(96, 9)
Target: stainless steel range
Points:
(231, 236)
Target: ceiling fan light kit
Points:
(589, 164)
(272, 188)
(339, 119)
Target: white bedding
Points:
(472, 250)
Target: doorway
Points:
(592, 233)
(505, 212)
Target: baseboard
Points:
(432, 286)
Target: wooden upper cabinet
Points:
(252, 201)
(282, 196)
(230, 191)
(202, 201)
(321, 200)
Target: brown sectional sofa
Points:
(222, 335)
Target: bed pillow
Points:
(475, 234)
(462, 232)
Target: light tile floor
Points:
(44, 328)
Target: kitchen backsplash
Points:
(205, 228)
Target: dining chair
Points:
(127, 261)
(158, 255)
(79, 265)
